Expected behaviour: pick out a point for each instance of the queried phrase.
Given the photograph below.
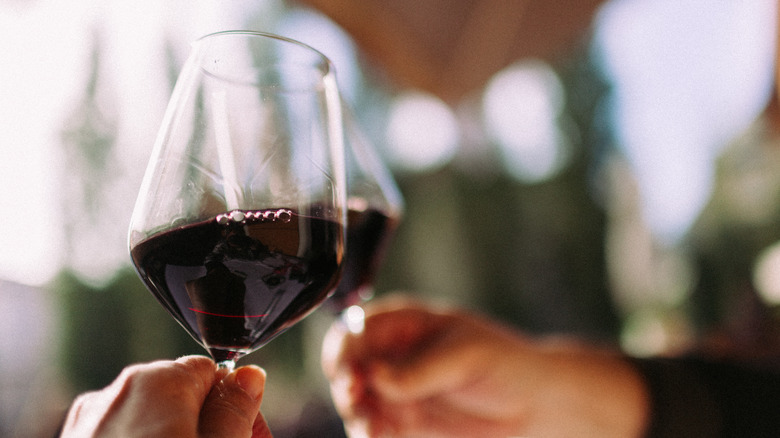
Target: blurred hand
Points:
(186, 398)
(416, 370)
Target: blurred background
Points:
(604, 168)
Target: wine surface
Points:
(239, 279)
(368, 233)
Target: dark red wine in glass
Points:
(369, 232)
(237, 280)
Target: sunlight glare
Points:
(685, 84)
(48, 45)
(43, 50)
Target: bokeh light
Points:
(766, 275)
(522, 108)
(422, 132)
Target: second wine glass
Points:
(238, 229)
(375, 208)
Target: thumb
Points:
(232, 408)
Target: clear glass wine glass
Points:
(375, 208)
(239, 225)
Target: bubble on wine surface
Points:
(282, 215)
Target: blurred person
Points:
(185, 398)
(419, 369)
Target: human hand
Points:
(185, 398)
(417, 370)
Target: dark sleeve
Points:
(705, 398)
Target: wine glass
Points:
(375, 208)
(238, 229)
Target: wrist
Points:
(599, 393)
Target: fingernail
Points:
(252, 380)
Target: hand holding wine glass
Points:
(428, 369)
(238, 228)
(185, 398)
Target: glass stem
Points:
(228, 365)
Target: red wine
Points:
(368, 233)
(239, 279)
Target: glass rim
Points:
(254, 33)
